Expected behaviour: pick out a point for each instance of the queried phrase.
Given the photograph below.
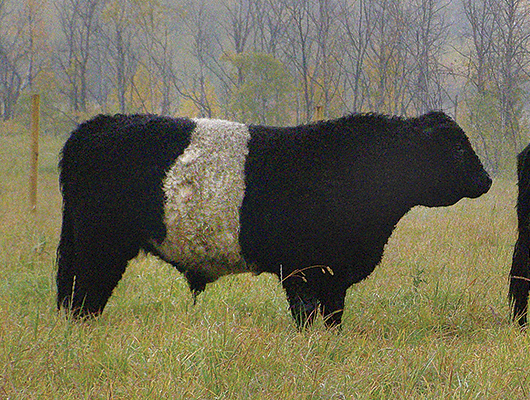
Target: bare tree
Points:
(481, 19)
(240, 21)
(387, 57)
(32, 13)
(15, 54)
(327, 73)
(479, 90)
(430, 34)
(79, 25)
(357, 30)
(199, 24)
(157, 43)
(233, 30)
(300, 49)
(120, 31)
(512, 40)
(497, 75)
(269, 26)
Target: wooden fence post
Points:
(319, 113)
(34, 156)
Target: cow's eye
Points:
(460, 149)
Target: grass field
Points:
(430, 323)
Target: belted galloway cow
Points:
(312, 204)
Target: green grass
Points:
(430, 323)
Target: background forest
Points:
(271, 62)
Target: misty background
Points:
(271, 62)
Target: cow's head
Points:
(452, 169)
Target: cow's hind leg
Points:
(85, 293)
(90, 267)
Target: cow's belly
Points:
(204, 190)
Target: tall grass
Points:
(431, 322)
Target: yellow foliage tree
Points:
(200, 101)
(264, 94)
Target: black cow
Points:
(520, 272)
(313, 204)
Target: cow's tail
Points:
(66, 259)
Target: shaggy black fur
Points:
(520, 272)
(321, 200)
(331, 194)
(113, 203)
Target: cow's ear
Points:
(428, 130)
(432, 122)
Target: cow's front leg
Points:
(520, 278)
(302, 302)
(91, 261)
(332, 307)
